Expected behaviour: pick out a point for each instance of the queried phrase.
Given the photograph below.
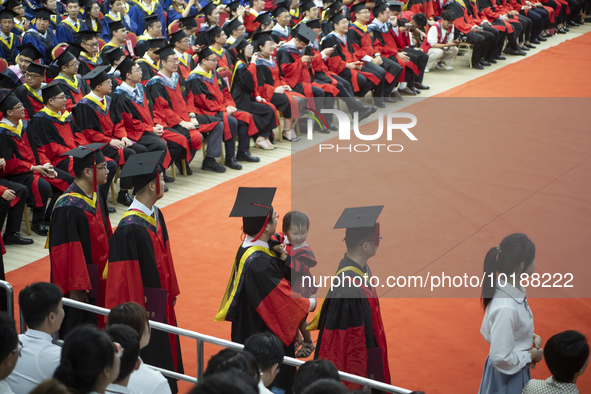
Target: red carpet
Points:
(449, 197)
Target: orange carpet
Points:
(449, 196)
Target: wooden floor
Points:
(17, 255)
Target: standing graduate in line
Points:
(140, 257)
(258, 298)
(8, 40)
(352, 334)
(79, 237)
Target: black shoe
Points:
(500, 58)
(396, 95)
(419, 85)
(380, 105)
(40, 229)
(535, 41)
(168, 179)
(364, 114)
(210, 164)
(573, 24)
(17, 239)
(179, 165)
(566, 29)
(390, 100)
(332, 127)
(530, 46)
(477, 66)
(408, 91)
(540, 39)
(165, 188)
(484, 63)
(491, 61)
(321, 129)
(512, 51)
(233, 164)
(417, 91)
(111, 210)
(124, 198)
(246, 156)
(524, 48)
(373, 108)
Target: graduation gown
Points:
(79, 250)
(138, 12)
(87, 63)
(322, 76)
(8, 49)
(209, 95)
(245, 90)
(296, 75)
(269, 77)
(74, 90)
(258, 299)
(351, 332)
(384, 43)
(420, 7)
(65, 32)
(32, 101)
(225, 64)
(279, 36)
(18, 147)
(131, 26)
(43, 44)
(139, 257)
(487, 9)
(186, 65)
(250, 24)
(149, 70)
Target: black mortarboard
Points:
(12, 4)
(148, 20)
(241, 42)
(73, 1)
(7, 14)
(378, 8)
(7, 100)
(396, 5)
(125, 66)
(205, 52)
(177, 36)
(360, 222)
(213, 33)
(43, 13)
(280, 7)
(87, 156)
(307, 5)
(232, 25)
(116, 25)
(313, 24)
(86, 34)
(189, 21)
(336, 18)
(97, 76)
(50, 91)
(208, 8)
(143, 46)
(64, 58)
(333, 8)
(264, 18)
(358, 7)
(260, 38)
(75, 49)
(6, 82)
(165, 51)
(142, 168)
(112, 54)
(36, 68)
(29, 51)
(306, 34)
(254, 206)
(233, 5)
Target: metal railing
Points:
(9, 297)
(203, 338)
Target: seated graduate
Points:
(113, 57)
(234, 30)
(89, 54)
(225, 64)
(212, 97)
(148, 59)
(41, 35)
(144, 380)
(189, 25)
(211, 18)
(153, 28)
(42, 308)
(172, 100)
(70, 81)
(117, 37)
(140, 260)
(181, 9)
(282, 32)
(10, 348)
(10, 41)
(92, 115)
(256, 7)
(245, 93)
(141, 10)
(263, 302)
(58, 9)
(117, 13)
(91, 16)
(27, 55)
(180, 42)
(353, 312)
(129, 340)
(13, 200)
(440, 44)
(21, 23)
(67, 28)
(18, 148)
(487, 9)
(30, 93)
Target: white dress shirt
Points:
(5, 388)
(117, 389)
(263, 389)
(147, 381)
(249, 241)
(39, 359)
(432, 35)
(141, 207)
(508, 326)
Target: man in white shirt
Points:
(41, 305)
(129, 340)
(442, 48)
(268, 351)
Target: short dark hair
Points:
(565, 354)
(355, 237)
(131, 314)
(314, 370)
(8, 335)
(129, 339)
(420, 19)
(325, 386)
(229, 359)
(37, 301)
(51, 386)
(252, 226)
(231, 382)
(152, 22)
(266, 348)
(296, 219)
(448, 15)
(112, 31)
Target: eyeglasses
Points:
(19, 106)
(91, 44)
(19, 349)
(76, 63)
(102, 168)
(32, 76)
(118, 348)
(211, 60)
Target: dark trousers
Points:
(484, 44)
(240, 128)
(15, 213)
(537, 22)
(500, 37)
(364, 84)
(153, 143)
(393, 68)
(378, 90)
(575, 7)
(419, 58)
(113, 153)
(27, 179)
(347, 94)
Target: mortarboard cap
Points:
(143, 168)
(360, 223)
(97, 76)
(213, 33)
(37, 68)
(29, 51)
(43, 13)
(232, 25)
(395, 5)
(307, 5)
(189, 21)
(7, 14)
(254, 206)
(177, 36)
(334, 7)
(379, 8)
(87, 156)
(305, 34)
(116, 25)
(233, 5)
(6, 82)
(260, 38)
(358, 7)
(86, 34)
(280, 9)
(208, 8)
(51, 90)
(7, 100)
(148, 20)
(12, 4)
(125, 66)
(240, 43)
(165, 51)
(313, 24)
(205, 52)
(336, 18)
(112, 54)
(264, 18)
(75, 49)
(143, 46)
